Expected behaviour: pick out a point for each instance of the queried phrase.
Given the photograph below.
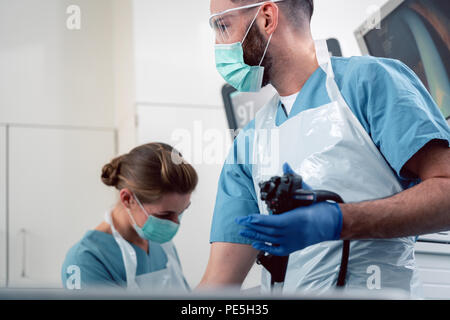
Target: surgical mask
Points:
(231, 66)
(155, 229)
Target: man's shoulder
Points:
(361, 67)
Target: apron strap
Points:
(130, 259)
(174, 265)
(128, 254)
(323, 57)
(324, 60)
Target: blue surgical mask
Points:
(231, 66)
(155, 229)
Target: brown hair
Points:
(150, 171)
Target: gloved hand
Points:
(293, 230)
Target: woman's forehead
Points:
(171, 202)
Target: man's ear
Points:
(269, 18)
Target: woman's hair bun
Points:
(150, 171)
(110, 172)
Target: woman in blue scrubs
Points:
(132, 248)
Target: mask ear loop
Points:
(248, 30)
(265, 51)
(251, 25)
(131, 216)
(140, 205)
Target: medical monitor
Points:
(416, 32)
(241, 107)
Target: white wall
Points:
(52, 75)
(339, 19)
(124, 76)
(175, 54)
(3, 206)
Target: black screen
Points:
(418, 34)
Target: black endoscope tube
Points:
(322, 196)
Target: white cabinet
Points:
(433, 262)
(55, 196)
(3, 206)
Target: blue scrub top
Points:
(388, 99)
(100, 261)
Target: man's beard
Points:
(254, 46)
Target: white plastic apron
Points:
(331, 150)
(169, 279)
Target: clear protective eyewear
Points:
(160, 216)
(221, 22)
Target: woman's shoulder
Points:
(94, 256)
(104, 227)
(94, 248)
(86, 248)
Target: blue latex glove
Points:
(293, 230)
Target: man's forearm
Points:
(425, 208)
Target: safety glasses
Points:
(166, 216)
(222, 24)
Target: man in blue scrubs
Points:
(387, 98)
